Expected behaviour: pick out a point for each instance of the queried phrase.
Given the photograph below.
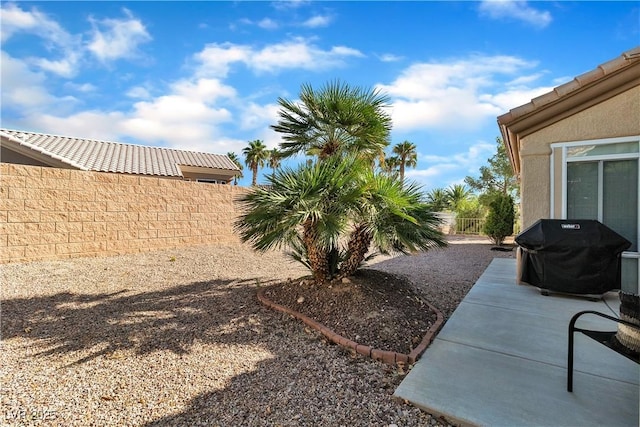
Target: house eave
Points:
(33, 152)
(585, 91)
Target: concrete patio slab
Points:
(500, 360)
(526, 335)
(480, 387)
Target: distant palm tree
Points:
(234, 158)
(275, 158)
(438, 200)
(391, 165)
(407, 155)
(456, 194)
(335, 121)
(255, 156)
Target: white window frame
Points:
(210, 181)
(565, 159)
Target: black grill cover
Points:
(571, 256)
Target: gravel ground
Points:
(178, 338)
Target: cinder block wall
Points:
(49, 213)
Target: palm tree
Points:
(438, 200)
(314, 210)
(407, 155)
(255, 156)
(456, 194)
(391, 165)
(275, 158)
(336, 120)
(234, 158)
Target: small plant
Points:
(500, 220)
(172, 259)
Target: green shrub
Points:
(500, 220)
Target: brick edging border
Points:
(385, 356)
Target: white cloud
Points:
(299, 54)
(22, 89)
(462, 94)
(317, 21)
(515, 9)
(113, 39)
(515, 97)
(138, 92)
(216, 59)
(268, 24)
(389, 57)
(206, 91)
(476, 155)
(289, 4)
(65, 67)
(15, 19)
(87, 124)
(449, 168)
(80, 87)
(188, 113)
(255, 116)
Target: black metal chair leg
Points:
(572, 324)
(601, 337)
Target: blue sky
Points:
(206, 76)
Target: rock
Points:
(346, 281)
(300, 300)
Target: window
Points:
(602, 183)
(210, 181)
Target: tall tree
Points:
(407, 155)
(234, 158)
(497, 177)
(336, 120)
(255, 156)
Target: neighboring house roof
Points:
(604, 82)
(106, 156)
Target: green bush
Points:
(500, 220)
(470, 208)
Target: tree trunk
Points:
(357, 248)
(254, 180)
(317, 257)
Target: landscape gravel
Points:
(178, 337)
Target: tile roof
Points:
(106, 156)
(584, 91)
(613, 66)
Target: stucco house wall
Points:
(615, 117)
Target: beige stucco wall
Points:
(50, 213)
(615, 117)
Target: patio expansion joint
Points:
(555, 365)
(503, 353)
(484, 304)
